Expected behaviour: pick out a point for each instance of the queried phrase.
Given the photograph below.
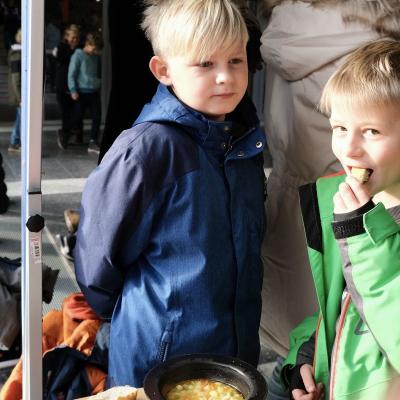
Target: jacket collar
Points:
(166, 107)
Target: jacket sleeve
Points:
(63, 53)
(372, 273)
(301, 347)
(114, 228)
(73, 71)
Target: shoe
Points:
(14, 352)
(71, 218)
(49, 279)
(64, 247)
(93, 147)
(14, 148)
(62, 139)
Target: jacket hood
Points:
(166, 107)
(300, 38)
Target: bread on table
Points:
(119, 393)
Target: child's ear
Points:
(159, 68)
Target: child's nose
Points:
(352, 146)
(223, 76)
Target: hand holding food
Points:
(352, 194)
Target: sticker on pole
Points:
(36, 250)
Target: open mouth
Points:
(361, 174)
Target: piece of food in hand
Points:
(116, 393)
(361, 174)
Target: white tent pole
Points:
(31, 202)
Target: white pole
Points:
(31, 201)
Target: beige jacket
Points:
(301, 46)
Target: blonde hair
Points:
(369, 75)
(73, 28)
(193, 28)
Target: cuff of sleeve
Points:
(351, 224)
(294, 378)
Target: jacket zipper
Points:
(339, 329)
(316, 341)
(228, 146)
(164, 346)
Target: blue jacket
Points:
(169, 238)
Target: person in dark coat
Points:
(14, 77)
(4, 200)
(132, 83)
(12, 22)
(63, 54)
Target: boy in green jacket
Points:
(351, 349)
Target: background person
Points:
(63, 54)
(12, 22)
(4, 200)
(52, 37)
(84, 81)
(132, 83)
(14, 74)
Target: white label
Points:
(36, 250)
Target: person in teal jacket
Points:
(351, 349)
(84, 81)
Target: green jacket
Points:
(357, 338)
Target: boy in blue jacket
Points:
(168, 245)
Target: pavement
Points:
(64, 173)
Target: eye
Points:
(371, 132)
(205, 64)
(235, 61)
(338, 130)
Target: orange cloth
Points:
(75, 326)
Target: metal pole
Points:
(31, 202)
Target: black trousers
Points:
(66, 105)
(93, 102)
